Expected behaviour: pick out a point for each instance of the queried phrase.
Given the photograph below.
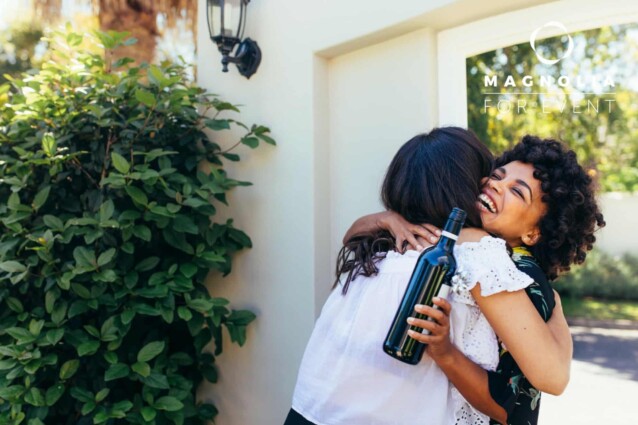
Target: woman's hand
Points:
(406, 234)
(439, 345)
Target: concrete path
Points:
(604, 380)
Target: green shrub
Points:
(602, 276)
(107, 239)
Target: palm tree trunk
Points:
(138, 17)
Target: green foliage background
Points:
(602, 276)
(606, 142)
(107, 236)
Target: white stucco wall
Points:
(342, 85)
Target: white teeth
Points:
(487, 202)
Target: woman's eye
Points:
(519, 193)
(495, 176)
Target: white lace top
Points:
(345, 378)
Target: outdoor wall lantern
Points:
(226, 22)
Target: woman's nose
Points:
(495, 185)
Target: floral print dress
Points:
(508, 386)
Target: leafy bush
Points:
(107, 240)
(602, 276)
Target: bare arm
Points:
(518, 324)
(401, 229)
(469, 378)
(515, 320)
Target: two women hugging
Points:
(497, 342)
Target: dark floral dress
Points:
(508, 386)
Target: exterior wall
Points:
(619, 235)
(342, 85)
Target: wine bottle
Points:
(431, 277)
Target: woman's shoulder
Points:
(472, 234)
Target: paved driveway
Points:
(604, 381)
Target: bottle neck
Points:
(449, 235)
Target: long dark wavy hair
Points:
(429, 175)
(573, 215)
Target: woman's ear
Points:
(532, 237)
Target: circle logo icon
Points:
(570, 43)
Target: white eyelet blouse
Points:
(345, 378)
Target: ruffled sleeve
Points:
(487, 262)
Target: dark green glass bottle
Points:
(434, 268)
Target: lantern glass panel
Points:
(232, 17)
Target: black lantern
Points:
(226, 22)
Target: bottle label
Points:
(444, 291)
(449, 235)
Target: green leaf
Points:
(207, 411)
(41, 197)
(145, 96)
(101, 395)
(267, 139)
(35, 397)
(22, 335)
(231, 156)
(241, 317)
(84, 257)
(35, 327)
(217, 125)
(59, 312)
(106, 210)
(15, 304)
(87, 348)
(120, 163)
(150, 351)
(53, 394)
(155, 75)
(100, 417)
(183, 223)
(116, 371)
(49, 145)
(200, 305)
(148, 413)
(168, 403)
(49, 300)
(127, 316)
(156, 380)
(110, 357)
(105, 257)
(53, 222)
(147, 264)
(141, 368)
(7, 364)
(188, 269)
(69, 368)
(81, 394)
(250, 141)
(123, 406)
(11, 392)
(88, 408)
(54, 336)
(142, 232)
(137, 195)
(184, 313)
(12, 266)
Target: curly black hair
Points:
(573, 215)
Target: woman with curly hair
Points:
(346, 379)
(544, 250)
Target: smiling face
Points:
(510, 204)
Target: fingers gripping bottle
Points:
(431, 277)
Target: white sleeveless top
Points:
(346, 378)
